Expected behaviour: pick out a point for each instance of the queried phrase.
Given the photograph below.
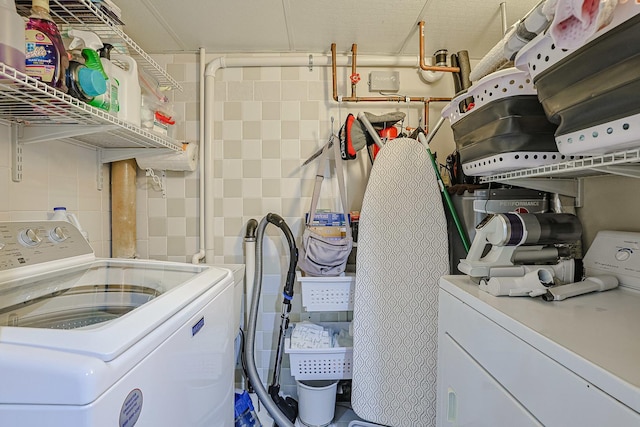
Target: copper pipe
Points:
(354, 51)
(426, 67)
(334, 71)
(391, 98)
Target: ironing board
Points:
(402, 252)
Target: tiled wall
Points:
(267, 121)
(55, 173)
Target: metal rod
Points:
(503, 14)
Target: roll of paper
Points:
(185, 160)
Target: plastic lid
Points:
(92, 82)
(40, 3)
(105, 52)
(242, 403)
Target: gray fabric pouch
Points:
(319, 255)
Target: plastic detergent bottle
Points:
(11, 36)
(129, 93)
(46, 57)
(60, 214)
(109, 100)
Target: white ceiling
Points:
(376, 26)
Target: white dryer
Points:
(527, 362)
(89, 342)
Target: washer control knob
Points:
(623, 254)
(57, 235)
(29, 237)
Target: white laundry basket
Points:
(327, 293)
(316, 402)
(331, 363)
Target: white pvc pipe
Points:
(266, 60)
(302, 60)
(430, 76)
(249, 276)
(195, 259)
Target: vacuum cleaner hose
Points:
(280, 419)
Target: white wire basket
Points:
(327, 293)
(333, 363)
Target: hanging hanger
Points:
(328, 144)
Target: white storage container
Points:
(499, 125)
(541, 53)
(333, 363)
(327, 293)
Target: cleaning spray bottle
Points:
(129, 94)
(11, 36)
(46, 57)
(92, 44)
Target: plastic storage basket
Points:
(334, 363)
(499, 125)
(592, 91)
(541, 53)
(327, 293)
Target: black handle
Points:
(277, 220)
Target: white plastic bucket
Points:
(316, 402)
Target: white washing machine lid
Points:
(99, 308)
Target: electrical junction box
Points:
(384, 81)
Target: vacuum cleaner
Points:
(283, 410)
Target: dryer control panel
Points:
(615, 253)
(34, 242)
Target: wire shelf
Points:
(587, 166)
(28, 101)
(87, 15)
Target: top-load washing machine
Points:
(89, 342)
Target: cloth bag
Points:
(319, 255)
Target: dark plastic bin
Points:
(516, 123)
(597, 83)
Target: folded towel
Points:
(310, 335)
(307, 335)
